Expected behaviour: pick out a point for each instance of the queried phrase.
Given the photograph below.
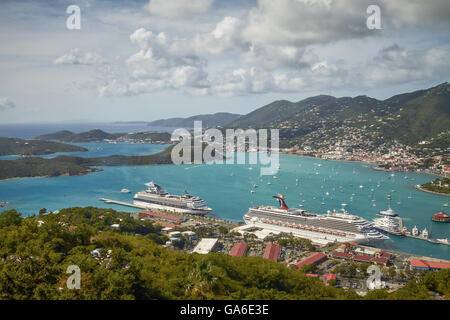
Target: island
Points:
(14, 146)
(438, 186)
(98, 135)
(75, 166)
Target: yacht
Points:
(388, 213)
(388, 225)
(415, 231)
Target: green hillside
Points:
(208, 120)
(13, 146)
(119, 264)
(408, 118)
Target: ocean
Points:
(317, 185)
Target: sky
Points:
(141, 60)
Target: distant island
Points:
(219, 119)
(438, 186)
(98, 135)
(14, 146)
(75, 166)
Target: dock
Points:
(400, 223)
(126, 204)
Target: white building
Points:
(206, 245)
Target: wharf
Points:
(400, 223)
(127, 204)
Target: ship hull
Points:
(312, 235)
(149, 205)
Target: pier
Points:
(126, 204)
(400, 223)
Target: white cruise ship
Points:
(157, 198)
(332, 227)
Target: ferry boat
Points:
(157, 198)
(332, 227)
(388, 225)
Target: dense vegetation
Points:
(408, 118)
(438, 185)
(13, 146)
(69, 165)
(100, 135)
(129, 263)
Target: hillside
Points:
(408, 118)
(100, 135)
(129, 262)
(89, 136)
(209, 120)
(70, 165)
(13, 146)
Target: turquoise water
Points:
(226, 188)
(100, 149)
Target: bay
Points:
(226, 188)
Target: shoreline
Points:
(432, 192)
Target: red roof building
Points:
(313, 258)
(381, 260)
(273, 251)
(341, 255)
(239, 249)
(428, 265)
(361, 258)
(327, 277)
(312, 275)
(151, 214)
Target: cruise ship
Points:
(157, 198)
(388, 225)
(332, 227)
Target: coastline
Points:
(432, 192)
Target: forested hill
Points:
(68, 136)
(100, 135)
(208, 120)
(13, 146)
(408, 118)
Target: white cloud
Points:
(395, 65)
(161, 63)
(6, 103)
(76, 56)
(178, 8)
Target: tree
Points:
(10, 218)
(42, 211)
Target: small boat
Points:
(252, 191)
(125, 190)
(269, 182)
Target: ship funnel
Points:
(281, 201)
